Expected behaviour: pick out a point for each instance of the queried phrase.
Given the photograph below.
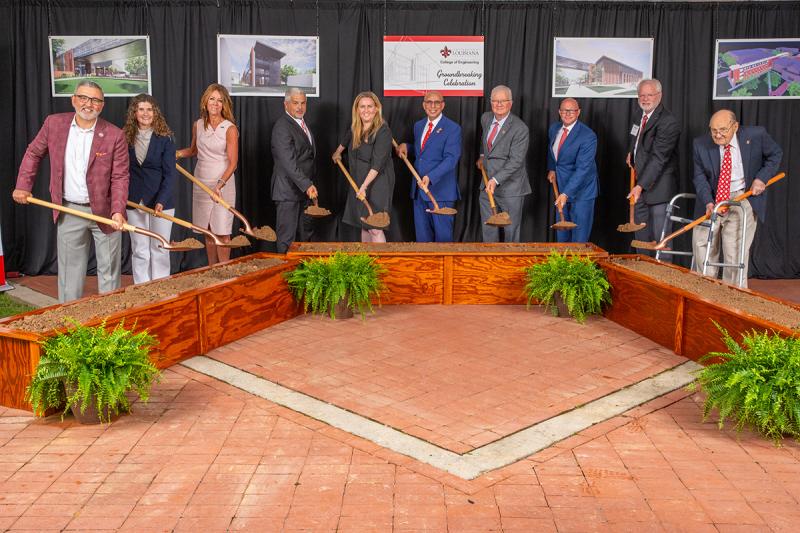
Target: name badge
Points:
(635, 129)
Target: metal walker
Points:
(730, 204)
(671, 217)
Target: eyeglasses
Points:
(433, 102)
(648, 95)
(82, 98)
(722, 131)
(500, 102)
(568, 111)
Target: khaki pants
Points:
(727, 237)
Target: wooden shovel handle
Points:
(419, 180)
(555, 192)
(703, 218)
(632, 200)
(486, 185)
(163, 215)
(217, 198)
(353, 184)
(87, 216)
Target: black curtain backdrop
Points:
(519, 51)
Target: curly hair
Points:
(131, 126)
(357, 127)
(227, 103)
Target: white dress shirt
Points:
(76, 163)
(639, 134)
(304, 127)
(737, 167)
(561, 134)
(427, 125)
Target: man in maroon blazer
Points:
(88, 172)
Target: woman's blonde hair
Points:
(131, 126)
(357, 128)
(227, 103)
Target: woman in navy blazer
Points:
(152, 161)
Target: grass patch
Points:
(109, 85)
(9, 306)
(604, 88)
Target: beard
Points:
(88, 113)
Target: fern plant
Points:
(757, 383)
(322, 282)
(97, 366)
(581, 283)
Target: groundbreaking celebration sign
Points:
(415, 64)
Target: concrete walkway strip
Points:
(497, 454)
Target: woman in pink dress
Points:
(215, 142)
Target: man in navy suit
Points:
(570, 161)
(437, 149)
(730, 161)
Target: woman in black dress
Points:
(369, 158)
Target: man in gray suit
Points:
(293, 150)
(504, 145)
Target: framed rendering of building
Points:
(265, 65)
(120, 65)
(756, 69)
(600, 67)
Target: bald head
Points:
(569, 111)
(723, 126)
(433, 104)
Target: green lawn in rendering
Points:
(109, 85)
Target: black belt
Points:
(79, 203)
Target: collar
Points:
(435, 121)
(75, 124)
(501, 121)
(569, 128)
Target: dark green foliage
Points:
(758, 384)
(9, 306)
(321, 282)
(106, 364)
(582, 284)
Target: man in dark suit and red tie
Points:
(437, 149)
(653, 153)
(730, 161)
(89, 172)
(293, 150)
(571, 162)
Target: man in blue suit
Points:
(570, 161)
(727, 163)
(437, 149)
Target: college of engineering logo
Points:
(445, 52)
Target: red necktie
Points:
(427, 134)
(561, 142)
(492, 135)
(303, 125)
(724, 183)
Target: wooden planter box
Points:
(675, 318)
(450, 273)
(187, 324)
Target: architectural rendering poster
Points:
(414, 64)
(756, 69)
(600, 67)
(118, 64)
(265, 65)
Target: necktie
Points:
(303, 125)
(639, 135)
(724, 183)
(492, 135)
(564, 134)
(427, 134)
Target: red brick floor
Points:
(459, 377)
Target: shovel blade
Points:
(443, 211)
(630, 228)
(377, 220)
(565, 225)
(652, 245)
(264, 233)
(316, 211)
(500, 219)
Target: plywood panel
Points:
(482, 279)
(413, 279)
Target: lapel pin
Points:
(101, 134)
(748, 141)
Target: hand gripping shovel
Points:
(436, 209)
(378, 220)
(497, 219)
(188, 244)
(630, 227)
(663, 244)
(561, 224)
(236, 242)
(315, 210)
(264, 233)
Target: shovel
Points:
(436, 209)
(315, 210)
(378, 220)
(561, 224)
(663, 244)
(630, 227)
(497, 219)
(264, 233)
(236, 242)
(188, 244)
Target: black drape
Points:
(519, 52)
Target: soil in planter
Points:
(716, 292)
(135, 295)
(455, 247)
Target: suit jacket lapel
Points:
(501, 131)
(97, 140)
(715, 161)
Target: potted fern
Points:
(337, 285)
(90, 370)
(575, 283)
(756, 383)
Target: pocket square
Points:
(100, 154)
